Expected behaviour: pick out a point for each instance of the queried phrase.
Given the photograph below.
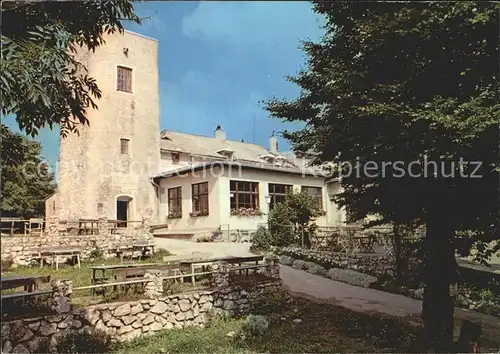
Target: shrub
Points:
(159, 254)
(84, 342)
(314, 268)
(97, 254)
(7, 263)
(290, 222)
(286, 260)
(205, 239)
(299, 264)
(262, 240)
(255, 325)
(351, 277)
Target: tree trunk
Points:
(398, 262)
(439, 272)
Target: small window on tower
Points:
(124, 146)
(124, 79)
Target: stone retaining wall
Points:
(127, 320)
(372, 264)
(20, 248)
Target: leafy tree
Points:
(289, 222)
(408, 82)
(43, 83)
(25, 179)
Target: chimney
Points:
(219, 133)
(273, 144)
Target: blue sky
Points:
(217, 60)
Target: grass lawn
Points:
(79, 277)
(295, 325)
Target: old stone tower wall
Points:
(93, 171)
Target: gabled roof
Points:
(246, 155)
(208, 146)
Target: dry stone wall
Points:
(127, 320)
(21, 249)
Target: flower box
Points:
(198, 213)
(246, 212)
(174, 215)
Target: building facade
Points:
(122, 167)
(105, 169)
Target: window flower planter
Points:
(198, 213)
(246, 212)
(174, 215)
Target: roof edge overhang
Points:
(195, 168)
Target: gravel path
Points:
(216, 249)
(353, 297)
(319, 288)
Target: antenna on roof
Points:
(253, 129)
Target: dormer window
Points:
(268, 158)
(227, 153)
(175, 158)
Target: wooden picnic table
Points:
(29, 282)
(124, 271)
(56, 252)
(365, 243)
(191, 265)
(85, 229)
(143, 247)
(112, 267)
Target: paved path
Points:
(303, 283)
(216, 249)
(353, 297)
(316, 287)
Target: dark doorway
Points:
(122, 212)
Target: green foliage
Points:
(97, 254)
(84, 342)
(262, 240)
(255, 325)
(159, 254)
(42, 82)
(6, 263)
(408, 82)
(291, 221)
(403, 82)
(25, 179)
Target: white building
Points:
(121, 167)
(211, 182)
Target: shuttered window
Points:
(124, 79)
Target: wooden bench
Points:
(246, 268)
(29, 283)
(12, 221)
(25, 294)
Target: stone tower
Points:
(105, 170)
